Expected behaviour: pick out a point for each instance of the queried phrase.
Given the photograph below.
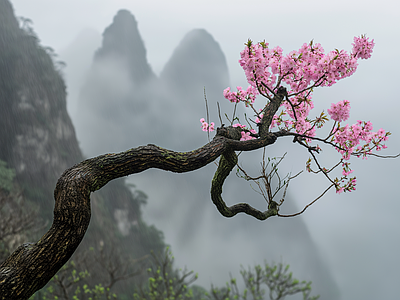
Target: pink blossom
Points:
(205, 126)
(362, 47)
(299, 69)
(258, 119)
(339, 190)
(340, 111)
(303, 126)
(246, 136)
(348, 138)
(247, 96)
(302, 104)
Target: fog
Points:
(349, 240)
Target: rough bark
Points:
(32, 265)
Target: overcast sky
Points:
(362, 226)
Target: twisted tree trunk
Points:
(32, 265)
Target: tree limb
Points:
(32, 265)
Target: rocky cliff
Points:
(38, 141)
(37, 137)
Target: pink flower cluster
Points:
(304, 127)
(348, 139)
(340, 111)
(362, 47)
(247, 96)
(301, 71)
(279, 121)
(346, 169)
(246, 135)
(349, 186)
(266, 69)
(359, 140)
(205, 126)
(302, 104)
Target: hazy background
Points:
(357, 233)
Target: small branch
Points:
(384, 156)
(270, 90)
(329, 170)
(288, 133)
(261, 92)
(280, 78)
(316, 84)
(234, 113)
(308, 205)
(322, 170)
(293, 108)
(208, 117)
(219, 114)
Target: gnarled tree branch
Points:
(32, 265)
(227, 162)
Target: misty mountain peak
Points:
(197, 61)
(122, 41)
(7, 16)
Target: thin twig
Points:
(322, 170)
(208, 118)
(234, 112)
(308, 205)
(384, 156)
(219, 114)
